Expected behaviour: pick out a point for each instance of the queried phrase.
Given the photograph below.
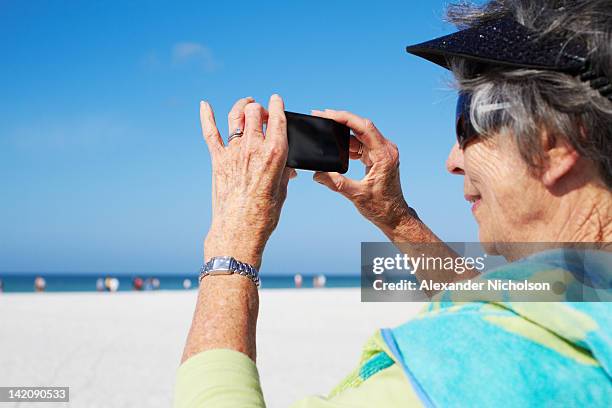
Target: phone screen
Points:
(317, 144)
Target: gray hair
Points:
(562, 105)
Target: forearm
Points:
(249, 186)
(412, 237)
(408, 227)
(225, 315)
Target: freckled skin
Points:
(248, 190)
(495, 171)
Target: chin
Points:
(489, 244)
(489, 247)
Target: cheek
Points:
(484, 169)
(494, 177)
(510, 195)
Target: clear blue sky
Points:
(102, 165)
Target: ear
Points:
(560, 159)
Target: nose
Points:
(454, 163)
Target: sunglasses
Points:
(463, 124)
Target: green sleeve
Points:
(218, 378)
(387, 388)
(227, 378)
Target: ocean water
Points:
(87, 282)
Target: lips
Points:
(475, 199)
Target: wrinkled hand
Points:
(378, 196)
(249, 179)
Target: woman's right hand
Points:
(378, 196)
(250, 178)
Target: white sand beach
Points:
(122, 349)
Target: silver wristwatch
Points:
(227, 265)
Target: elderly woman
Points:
(534, 147)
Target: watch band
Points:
(227, 265)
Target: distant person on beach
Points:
(534, 149)
(297, 280)
(1, 286)
(40, 284)
(100, 285)
(111, 284)
(151, 283)
(319, 281)
(107, 283)
(137, 283)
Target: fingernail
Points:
(316, 111)
(275, 96)
(329, 110)
(250, 98)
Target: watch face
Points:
(222, 263)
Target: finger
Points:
(209, 128)
(276, 131)
(337, 182)
(354, 144)
(254, 120)
(354, 149)
(292, 174)
(235, 118)
(364, 129)
(288, 174)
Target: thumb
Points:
(337, 182)
(288, 174)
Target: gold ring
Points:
(360, 151)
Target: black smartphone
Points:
(317, 144)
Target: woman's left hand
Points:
(378, 196)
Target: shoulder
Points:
(468, 345)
